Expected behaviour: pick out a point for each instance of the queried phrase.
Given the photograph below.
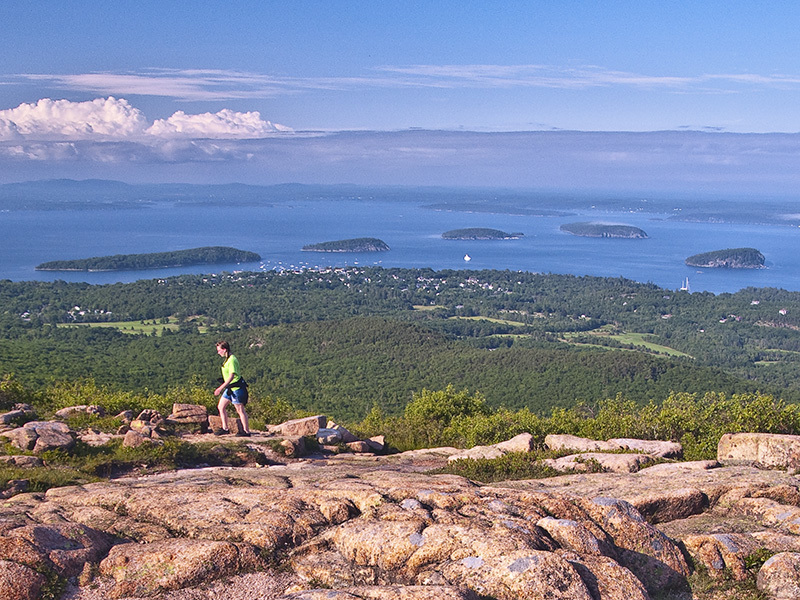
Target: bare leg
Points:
(243, 416)
(223, 415)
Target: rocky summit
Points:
(380, 527)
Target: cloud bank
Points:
(109, 138)
(112, 119)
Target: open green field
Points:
(635, 339)
(145, 327)
(492, 320)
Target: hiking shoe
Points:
(242, 434)
(221, 432)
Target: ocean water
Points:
(278, 232)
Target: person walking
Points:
(232, 390)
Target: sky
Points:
(404, 92)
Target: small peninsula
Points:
(603, 230)
(156, 260)
(480, 233)
(365, 244)
(730, 258)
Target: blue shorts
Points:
(239, 395)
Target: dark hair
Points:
(224, 345)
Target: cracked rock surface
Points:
(381, 528)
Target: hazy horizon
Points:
(613, 96)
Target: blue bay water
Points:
(278, 232)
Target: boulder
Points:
(52, 437)
(22, 438)
(67, 546)
(328, 436)
(234, 425)
(520, 443)
(294, 446)
(345, 435)
(19, 582)
(302, 427)
(22, 461)
(655, 559)
(476, 453)
(769, 450)
(651, 447)
(722, 553)
(768, 513)
(377, 443)
(670, 505)
(85, 409)
(141, 426)
(605, 578)
(126, 416)
(40, 436)
(780, 576)
(578, 444)
(147, 569)
(92, 438)
(134, 439)
(588, 461)
(188, 413)
(359, 446)
(150, 415)
(11, 416)
(572, 535)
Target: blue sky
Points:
(185, 90)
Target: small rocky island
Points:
(207, 255)
(731, 258)
(603, 230)
(365, 244)
(480, 233)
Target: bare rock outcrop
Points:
(346, 527)
(384, 592)
(367, 530)
(762, 449)
(520, 443)
(655, 448)
(146, 569)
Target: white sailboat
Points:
(467, 257)
(685, 286)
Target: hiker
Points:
(233, 389)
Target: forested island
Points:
(603, 230)
(480, 233)
(730, 258)
(207, 255)
(365, 244)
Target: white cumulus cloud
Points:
(62, 119)
(226, 124)
(113, 119)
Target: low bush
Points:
(514, 465)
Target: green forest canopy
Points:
(345, 340)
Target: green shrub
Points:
(269, 410)
(430, 412)
(13, 392)
(514, 465)
(466, 431)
